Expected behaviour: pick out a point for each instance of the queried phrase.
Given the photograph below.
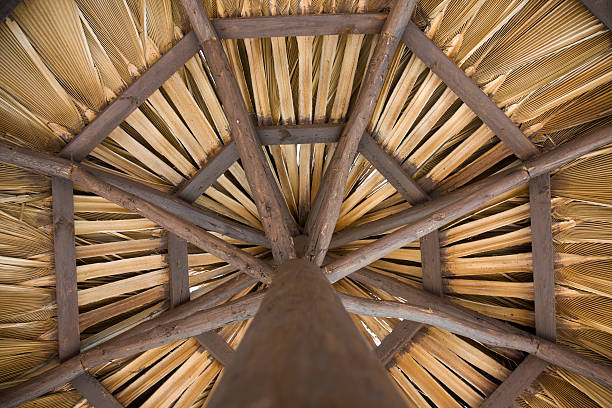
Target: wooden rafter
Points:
(273, 212)
(544, 293)
(468, 92)
(332, 193)
(542, 348)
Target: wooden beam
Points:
(303, 349)
(299, 25)
(543, 256)
(430, 263)
(229, 313)
(216, 346)
(522, 377)
(439, 212)
(68, 335)
(323, 226)
(468, 92)
(402, 335)
(299, 134)
(273, 213)
(201, 217)
(178, 270)
(95, 132)
(391, 169)
(94, 392)
(544, 349)
(7, 7)
(544, 293)
(602, 9)
(54, 166)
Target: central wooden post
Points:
(303, 350)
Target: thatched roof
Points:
(79, 80)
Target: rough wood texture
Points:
(542, 348)
(545, 163)
(337, 174)
(395, 341)
(299, 25)
(543, 257)
(95, 132)
(273, 212)
(430, 263)
(216, 346)
(178, 269)
(468, 92)
(299, 134)
(322, 359)
(521, 378)
(207, 175)
(602, 9)
(95, 393)
(391, 169)
(203, 218)
(68, 335)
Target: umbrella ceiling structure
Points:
(445, 164)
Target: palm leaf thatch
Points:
(546, 63)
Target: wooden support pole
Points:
(273, 213)
(438, 216)
(302, 349)
(541, 348)
(430, 263)
(544, 293)
(468, 92)
(53, 166)
(402, 334)
(320, 234)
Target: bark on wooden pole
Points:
(273, 212)
(337, 174)
(542, 348)
(304, 350)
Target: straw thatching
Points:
(546, 63)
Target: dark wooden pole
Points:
(273, 211)
(320, 234)
(602, 9)
(541, 348)
(304, 350)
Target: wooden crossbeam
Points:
(337, 173)
(273, 212)
(544, 293)
(468, 92)
(602, 9)
(299, 25)
(394, 342)
(68, 334)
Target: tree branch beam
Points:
(337, 174)
(274, 214)
(439, 216)
(468, 92)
